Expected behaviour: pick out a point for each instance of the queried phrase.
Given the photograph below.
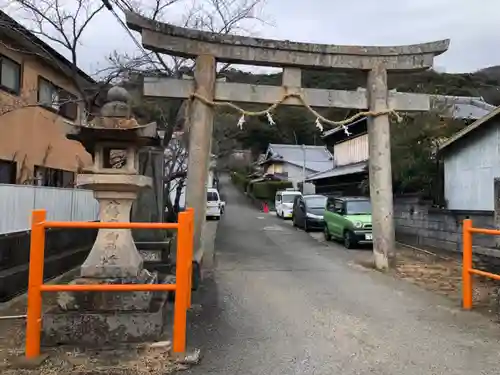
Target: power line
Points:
(108, 6)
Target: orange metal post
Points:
(467, 265)
(190, 254)
(34, 312)
(182, 284)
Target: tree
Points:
(221, 16)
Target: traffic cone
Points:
(265, 208)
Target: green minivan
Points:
(348, 219)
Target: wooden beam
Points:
(262, 94)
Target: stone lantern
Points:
(113, 139)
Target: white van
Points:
(215, 207)
(284, 202)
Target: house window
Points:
(7, 172)
(45, 176)
(10, 75)
(57, 99)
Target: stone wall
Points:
(64, 250)
(420, 224)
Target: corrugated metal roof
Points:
(457, 107)
(339, 171)
(476, 124)
(462, 107)
(318, 158)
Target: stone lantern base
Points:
(100, 318)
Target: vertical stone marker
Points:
(377, 61)
(96, 318)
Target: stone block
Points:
(85, 328)
(151, 255)
(108, 301)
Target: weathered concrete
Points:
(263, 94)
(379, 143)
(201, 122)
(179, 41)
(100, 328)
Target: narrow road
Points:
(279, 302)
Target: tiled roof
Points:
(339, 171)
(317, 158)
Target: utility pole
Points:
(303, 168)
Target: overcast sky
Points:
(472, 25)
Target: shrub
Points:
(240, 180)
(266, 190)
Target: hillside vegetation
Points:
(413, 142)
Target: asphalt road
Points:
(279, 302)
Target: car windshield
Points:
(361, 207)
(288, 198)
(315, 202)
(212, 196)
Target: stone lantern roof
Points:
(115, 124)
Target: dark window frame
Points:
(19, 78)
(54, 177)
(12, 165)
(64, 108)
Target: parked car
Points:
(215, 207)
(308, 211)
(348, 219)
(284, 202)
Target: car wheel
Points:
(349, 242)
(326, 233)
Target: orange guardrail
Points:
(182, 286)
(467, 267)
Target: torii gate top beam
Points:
(184, 42)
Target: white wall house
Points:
(471, 161)
(294, 163)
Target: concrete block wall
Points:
(418, 223)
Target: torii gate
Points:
(209, 48)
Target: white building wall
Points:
(296, 175)
(351, 151)
(470, 169)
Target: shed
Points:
(471, 160)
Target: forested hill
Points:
(413, 141)
(295, 125)
(484, 83)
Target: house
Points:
(350, 153)
(295, 162)
(350, 148)
(471, 161)
(38, 95)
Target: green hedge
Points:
(266, 190)
(240, 180)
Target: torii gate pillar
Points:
(201, 121)
(380, 170)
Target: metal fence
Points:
(17, 202)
